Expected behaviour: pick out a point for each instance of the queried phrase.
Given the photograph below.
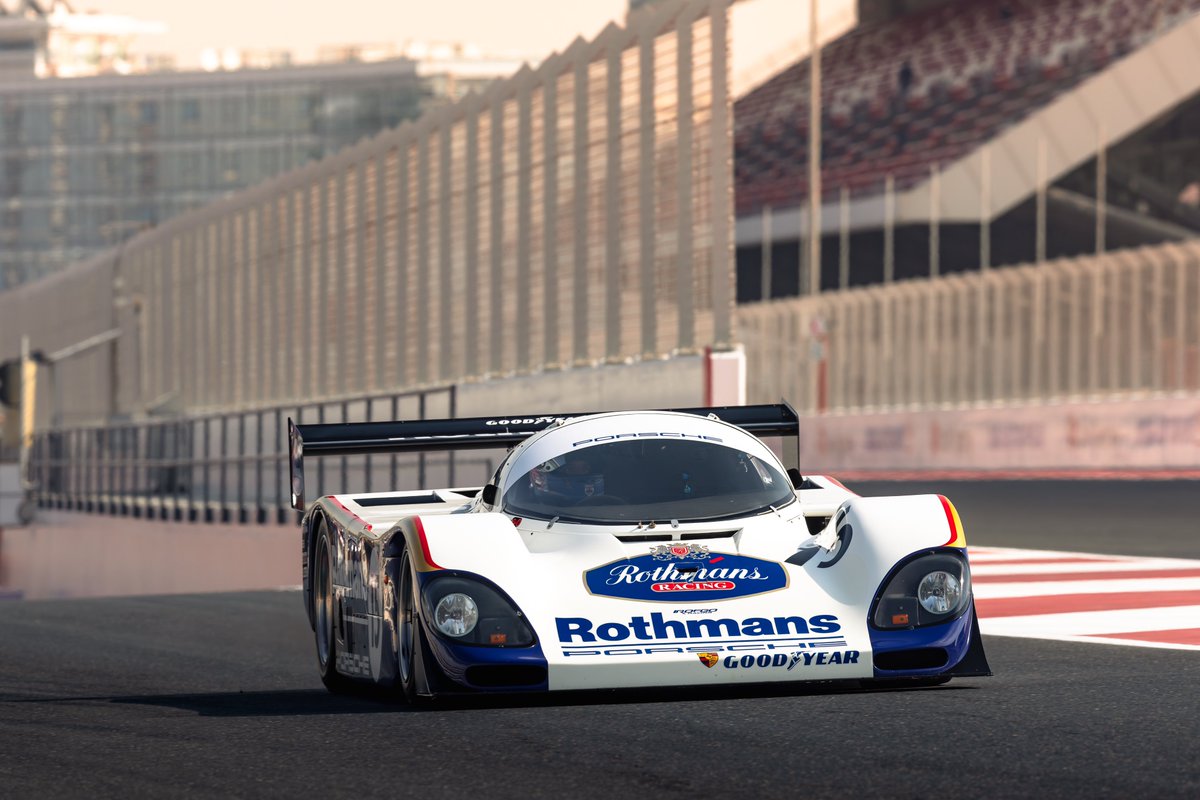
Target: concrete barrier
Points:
(1143, 436)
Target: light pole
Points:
(814, 153)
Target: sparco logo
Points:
(711, 576)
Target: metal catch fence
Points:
(233, 466)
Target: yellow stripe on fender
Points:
(957, 537)
(418, 545)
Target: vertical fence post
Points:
(844, 238)
(646, 174)
(394, 474)
(424, 334)
(450, 456)
(1040, 242)
(421, 460)
(612, 205)
(889, 228)
(767, 245)
(320, 356)
(471, 220)
(306, 364)
(985, 207)
(721, 213)
(260, 506)
(815, 195)
(1101, 188)
(222, 471)
(551, 358)
(1157, 310)
(579, 234)
(496, 236)
(935, 217)
(207, 456)
(403, 296)
(241, 468)
(379, 302)
(343, 270)
(345, 465)
(448, 341)
(524, 216)
(685, 258)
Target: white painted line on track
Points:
(1085, 623)
(986, 569)
(1071, 605)
(989, 591)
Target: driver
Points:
(571, 478)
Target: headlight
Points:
(927, 589)
(470, 610)
(939, 592)
(456, 614)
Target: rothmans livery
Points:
(629, 549)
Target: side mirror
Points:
(796, 478)
(488, 494)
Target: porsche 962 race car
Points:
(627, 549)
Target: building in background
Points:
(48, 39)
(87, 162)
(98, 142)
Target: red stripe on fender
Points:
(1184, 636)
(1088, 576)
(343, 507)
(425, 544)
(1067, 603)
(954, 532)
(838, 484)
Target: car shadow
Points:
(366, 700)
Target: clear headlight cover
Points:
(456, 614)
(939, 592)
(470, 610)
(928, 588)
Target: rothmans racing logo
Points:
(658, 634)
(686, 573)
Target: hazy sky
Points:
(770, 32)
(497, 26)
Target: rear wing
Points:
(366, 438)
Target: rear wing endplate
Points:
(366, 438)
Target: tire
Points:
(325, 613)
(410, 650)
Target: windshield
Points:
(650, 479)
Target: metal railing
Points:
(233, 467)
(1122, 324)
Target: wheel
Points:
(324, 613)
(409, 649)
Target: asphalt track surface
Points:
(217, 695)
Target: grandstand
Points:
(908, 93)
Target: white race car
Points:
(627, 549)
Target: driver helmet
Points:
(566, 476)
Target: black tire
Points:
(325, 613)
(410, 650)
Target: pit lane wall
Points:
(1157, 437)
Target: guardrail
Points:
(231, 466)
